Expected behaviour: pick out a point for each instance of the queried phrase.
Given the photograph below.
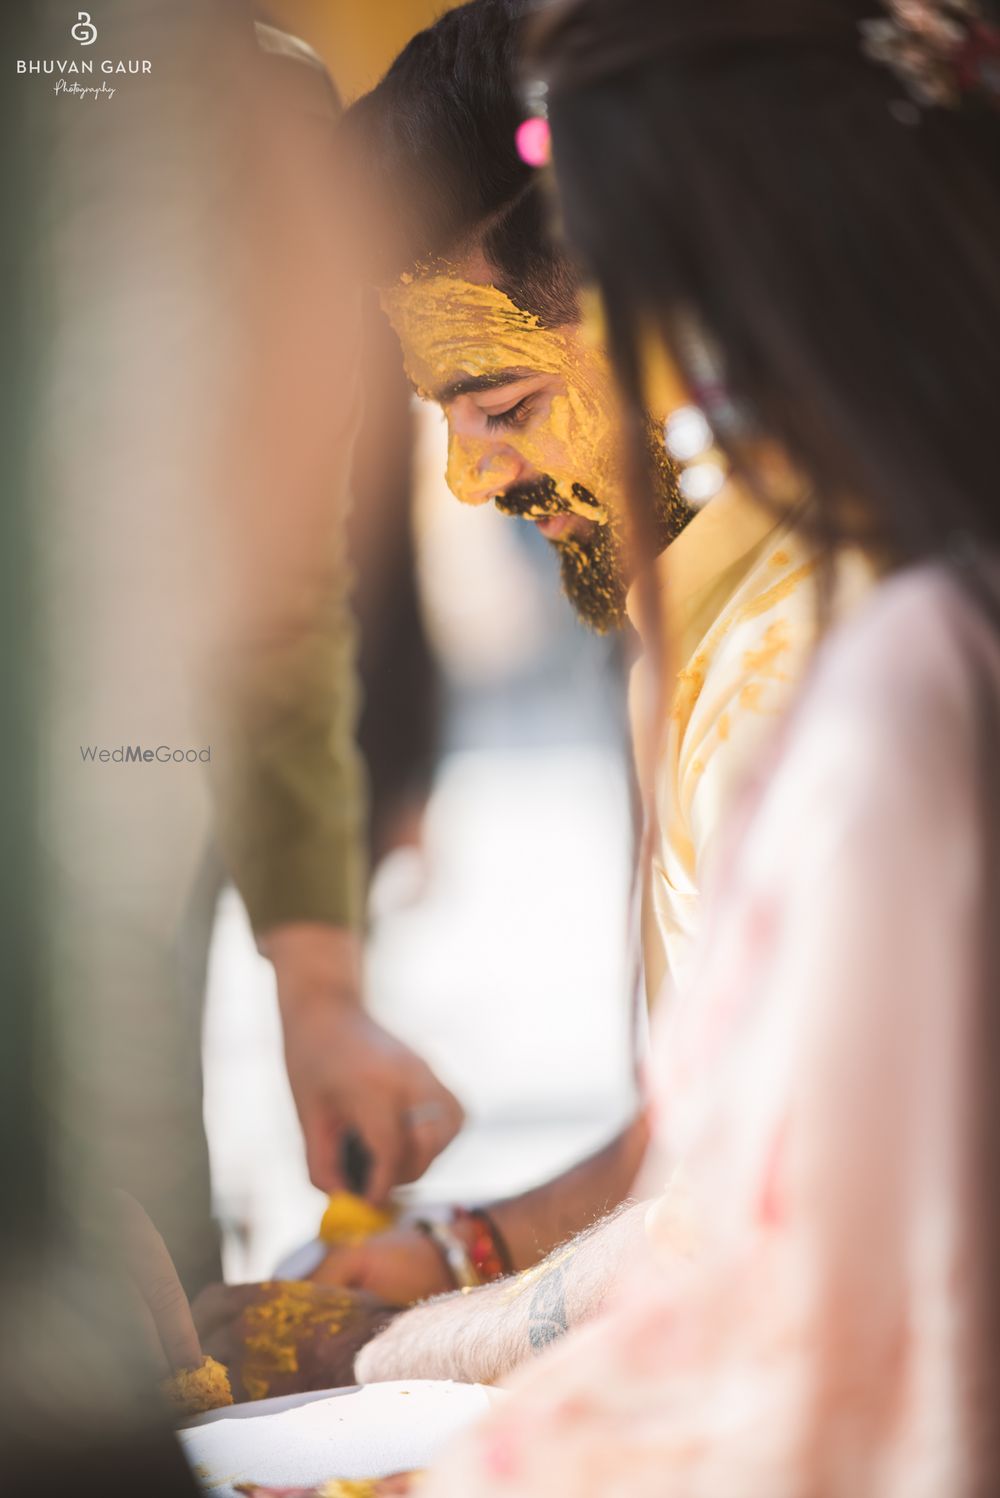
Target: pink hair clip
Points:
(533, 140)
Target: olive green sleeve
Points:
(289, 785)
(289, 791)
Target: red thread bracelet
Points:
(487, 1249)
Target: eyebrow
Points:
(475, 384)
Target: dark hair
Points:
(744, 162)
(432, 152)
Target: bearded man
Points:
(488, 312)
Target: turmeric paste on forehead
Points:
(452, 329)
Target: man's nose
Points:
(478, 471)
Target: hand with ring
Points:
(349, 1076)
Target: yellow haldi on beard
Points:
(452, 329)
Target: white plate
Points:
(307, 1438)
(254, 1408)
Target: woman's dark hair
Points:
(742, 161)
(432, 151)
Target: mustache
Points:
(534, 498)
(538, 497)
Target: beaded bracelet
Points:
(457, 1258)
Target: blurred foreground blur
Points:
(172, 399)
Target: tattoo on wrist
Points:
(547, 1310)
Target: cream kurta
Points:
(739, 606)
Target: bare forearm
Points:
(533, 1223)
(480, 1335)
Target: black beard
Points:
(594, 575)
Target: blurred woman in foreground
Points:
(791, 209)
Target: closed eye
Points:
(514, 416)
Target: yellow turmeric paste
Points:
(278, 1324)
(191, 1391)
(351, 1219)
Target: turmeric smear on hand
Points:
(278, 1324)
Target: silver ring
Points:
(424, 1113)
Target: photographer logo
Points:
(83, 31)
(66, 71)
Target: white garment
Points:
(826, 1081)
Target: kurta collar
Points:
(705, 565)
